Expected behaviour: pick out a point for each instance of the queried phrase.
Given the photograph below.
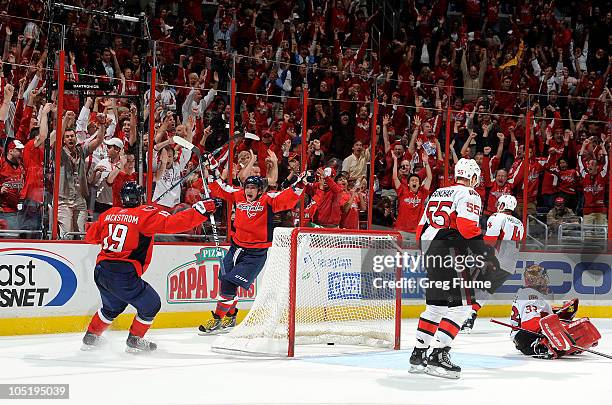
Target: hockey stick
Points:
(188, 145)
(195, 150)
(607, 356)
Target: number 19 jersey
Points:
(456, 208)
(126, 234)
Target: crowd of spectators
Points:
(491, 63)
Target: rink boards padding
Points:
(48, 287)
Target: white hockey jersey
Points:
(506, 232)
(527, 309)
(455, 207)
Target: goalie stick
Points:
(188, 145)
(607, 356)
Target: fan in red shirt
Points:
(352, 201)
(12, 178)
(566, 180)
(122, 173)
(517, 171)
(32, 193)
(500, 187)
(411, 197)
(593, 183)
(328, 195)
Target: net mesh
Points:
(336, 298)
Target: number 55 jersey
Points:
(451, 213)
(126, 234)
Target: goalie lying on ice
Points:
(531, 311)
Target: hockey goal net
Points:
(319, 286)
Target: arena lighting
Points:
(109, 14)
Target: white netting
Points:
(336, 301)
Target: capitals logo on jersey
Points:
(251, 209)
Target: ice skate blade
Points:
(440, 372)
(466, 331)
(417, 369)
(133, 350)
(214, 332)
(90, 348)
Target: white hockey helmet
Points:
(467, 169)
(506, 202)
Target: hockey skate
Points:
(91, 341)
(418, 360)
(229, 322)
(468, 325)
(440, 365)
(136, 344)
(214, 326)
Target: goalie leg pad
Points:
(555, 333)
(584, 333)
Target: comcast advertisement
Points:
(35, 278)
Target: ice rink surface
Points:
(185, 371)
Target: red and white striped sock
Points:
(139, 327)
(224, 305)
(98, 323)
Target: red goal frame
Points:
(293, 278)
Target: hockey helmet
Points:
(131, 195)
(467, 169)
(536, 277)
(506, 202)
(255, 181)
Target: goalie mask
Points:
(535, 277)
(506, 202)
(468, 169)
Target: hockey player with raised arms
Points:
(504, 232)
(530, 311)
(253, 229)
(449, 227)
(126, 235)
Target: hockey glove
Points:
(205, 206)
(305, 178)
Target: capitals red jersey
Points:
(536, 166)
(253, 221)
(33, 161)
(567, 180)
(12, 178)
(496, 192)
(594, 188)
(126, 234)
(410, 207)
(118, 184)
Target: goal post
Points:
(320, 286)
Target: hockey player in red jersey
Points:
(530, 311)
(449, 228)
(252, 237)
(126, 235)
